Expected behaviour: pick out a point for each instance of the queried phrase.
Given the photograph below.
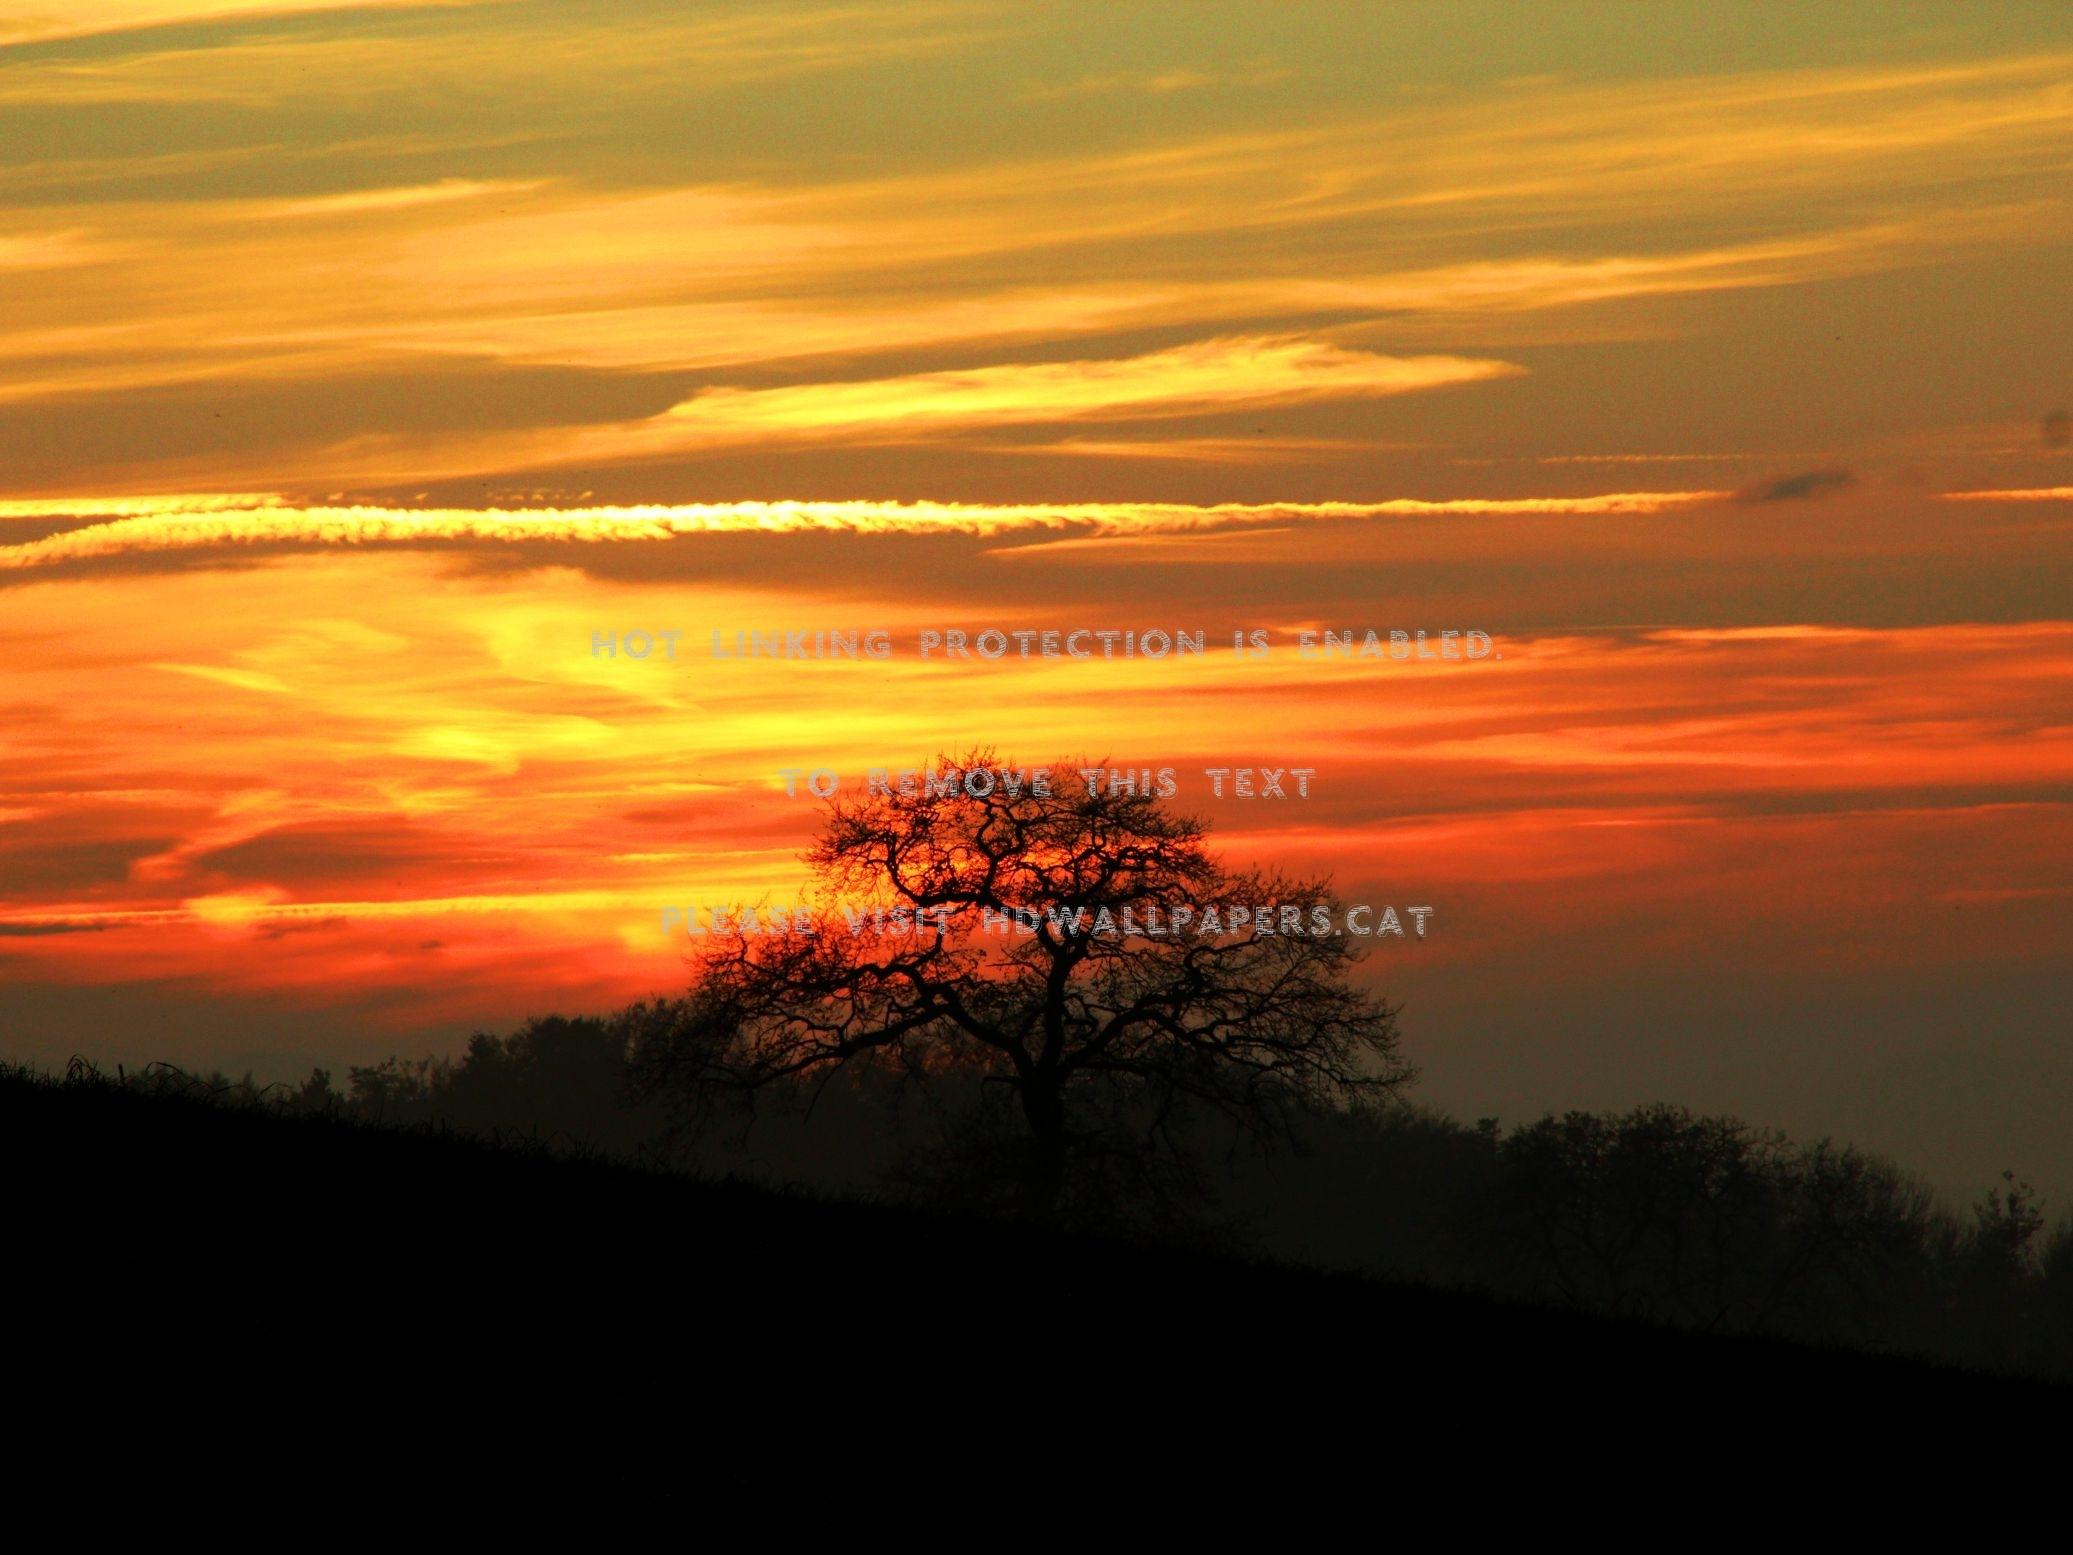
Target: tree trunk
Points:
(1043, 1178)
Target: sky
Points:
(359, 364)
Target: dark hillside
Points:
(244, 1295)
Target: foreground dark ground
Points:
(199, 1295)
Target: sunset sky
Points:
(359, 362)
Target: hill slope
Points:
(252, 1296)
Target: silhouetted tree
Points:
(555, 1078)
(316, 1094)
(1997, 1275)
(1855, 1254)
(2005, 1227)
(1103, 1037)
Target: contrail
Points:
(2021, 494)
(131, 525)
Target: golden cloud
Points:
(1209, 375)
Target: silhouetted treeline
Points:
(1698, 1221)
(1695, 1221)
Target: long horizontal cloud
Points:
(133, 525)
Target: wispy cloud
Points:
(362, 202)
(547, 234)
(48, 250)
(1258, 449)
(522, 46)
(1155, 83)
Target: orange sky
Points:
(358, 362)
